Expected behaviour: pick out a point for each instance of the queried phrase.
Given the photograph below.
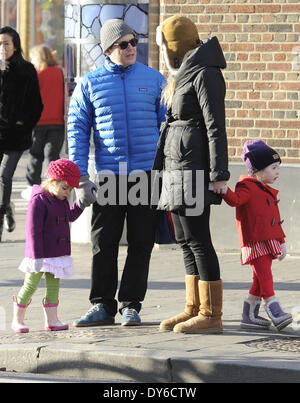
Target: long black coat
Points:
(20, 100)
(194, 137)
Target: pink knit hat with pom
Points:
(64, 170)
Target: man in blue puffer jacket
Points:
(120, 101)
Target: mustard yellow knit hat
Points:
(179, 35)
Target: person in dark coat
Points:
(48, 244)
(260, 232)
(192, 151)
(20, 109)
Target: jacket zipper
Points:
(127, 131)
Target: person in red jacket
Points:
(260, 233)
(48, 135)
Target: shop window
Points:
(8, 13)
(82, 32)
(49, 25)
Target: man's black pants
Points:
(107, 228)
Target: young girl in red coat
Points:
(260, 234)
(48, 246)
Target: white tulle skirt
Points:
(60, 267)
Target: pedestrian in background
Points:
(260, 233)
(121, 102)
(48, 244)
(193, 140)
(20, 110)
(48, 135)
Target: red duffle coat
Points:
(257, 213)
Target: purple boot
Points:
(250, 318)
(279, 318)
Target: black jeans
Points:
(8, 164)
(107, 228)
(47, 143)
(193, 235)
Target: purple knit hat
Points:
(258, 155)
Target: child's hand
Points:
(224, 190)
(283, 252)
(218, 187)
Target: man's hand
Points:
(86, 193)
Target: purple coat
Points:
(47, 225)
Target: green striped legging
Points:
(31, 282)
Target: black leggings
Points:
(8, 164)
(193, 235)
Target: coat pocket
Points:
(172, 193)
(182, 191)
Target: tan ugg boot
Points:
(209, 316)
(191, 306)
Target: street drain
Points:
(278, 343)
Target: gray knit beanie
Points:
(111, 31)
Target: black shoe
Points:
(9, 219)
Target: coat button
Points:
(273, 222)
(268, 201)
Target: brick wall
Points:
(154, 12)
(260, 40)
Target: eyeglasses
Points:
(124, 44)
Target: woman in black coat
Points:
(192, 152)
(20, 109)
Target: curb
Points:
(144, 366)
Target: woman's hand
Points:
(219, 187)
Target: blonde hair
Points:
(258, 175)
(168, 92)
(49, 182)
(43, 57)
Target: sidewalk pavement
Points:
(143, 353)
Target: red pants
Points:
(262, 285)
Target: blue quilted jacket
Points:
(123, 108)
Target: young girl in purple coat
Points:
(48, 246)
